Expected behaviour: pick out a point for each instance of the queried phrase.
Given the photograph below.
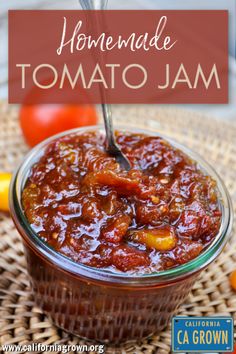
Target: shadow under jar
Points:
(99, 304)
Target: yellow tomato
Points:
(5, 179)
(162, 239)
(232, 279)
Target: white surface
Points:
(222, 111)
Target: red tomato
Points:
(39, 122)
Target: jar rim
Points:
(100, 274)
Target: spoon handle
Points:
(93, 4)
(101, 5)
(111, 143)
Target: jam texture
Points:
(160, 214)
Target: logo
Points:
(202, 334)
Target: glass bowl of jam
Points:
(112, 254)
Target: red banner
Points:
(118, 56)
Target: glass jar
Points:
(98, 304)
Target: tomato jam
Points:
(160, 214)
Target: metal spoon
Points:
(93, 4)
(111, 145)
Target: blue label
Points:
(202, 334)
